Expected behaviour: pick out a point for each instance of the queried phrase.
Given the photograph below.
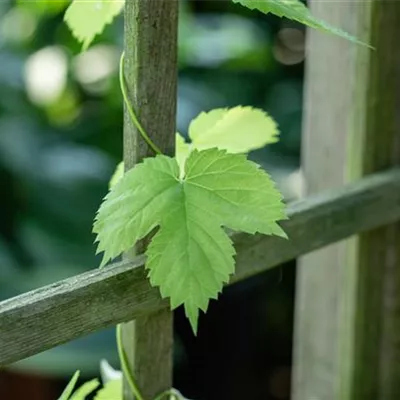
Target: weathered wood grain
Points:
(330, 107)
(376, 346)
(348, 295)
(151, 74)
(58, 313)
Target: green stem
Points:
(125, 366)
(129, 107)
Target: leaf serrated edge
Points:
(86, 43)
(323, 25)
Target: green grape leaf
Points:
(236, 130)
(191, 256)
(66, 394)
(88, 18)
(297, 11)
(182, 150)
(86, 389)
(112, 390)
(117, 175)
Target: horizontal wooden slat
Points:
(55, 314)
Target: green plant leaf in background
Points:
(81, 393)
(112, 390)
(86, 389)
(88, 18)
(191, 256)
(117, 175)
(182, 150)
(236, 130)
(66, 394)
(297, 11)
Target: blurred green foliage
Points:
(61, 130)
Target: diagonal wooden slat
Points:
(55, 314)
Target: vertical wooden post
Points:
(151, 76)
(348, 295)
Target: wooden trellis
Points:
(348, 297)
(348, 294)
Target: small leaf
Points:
(108, 373)
(182, 150)
(191, 256)
(86, 389)
(70, 387)
(112, 390)
(117, 175)
(88, 18)
(297, 11)
(236, 130)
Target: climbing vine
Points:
(191, 198)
